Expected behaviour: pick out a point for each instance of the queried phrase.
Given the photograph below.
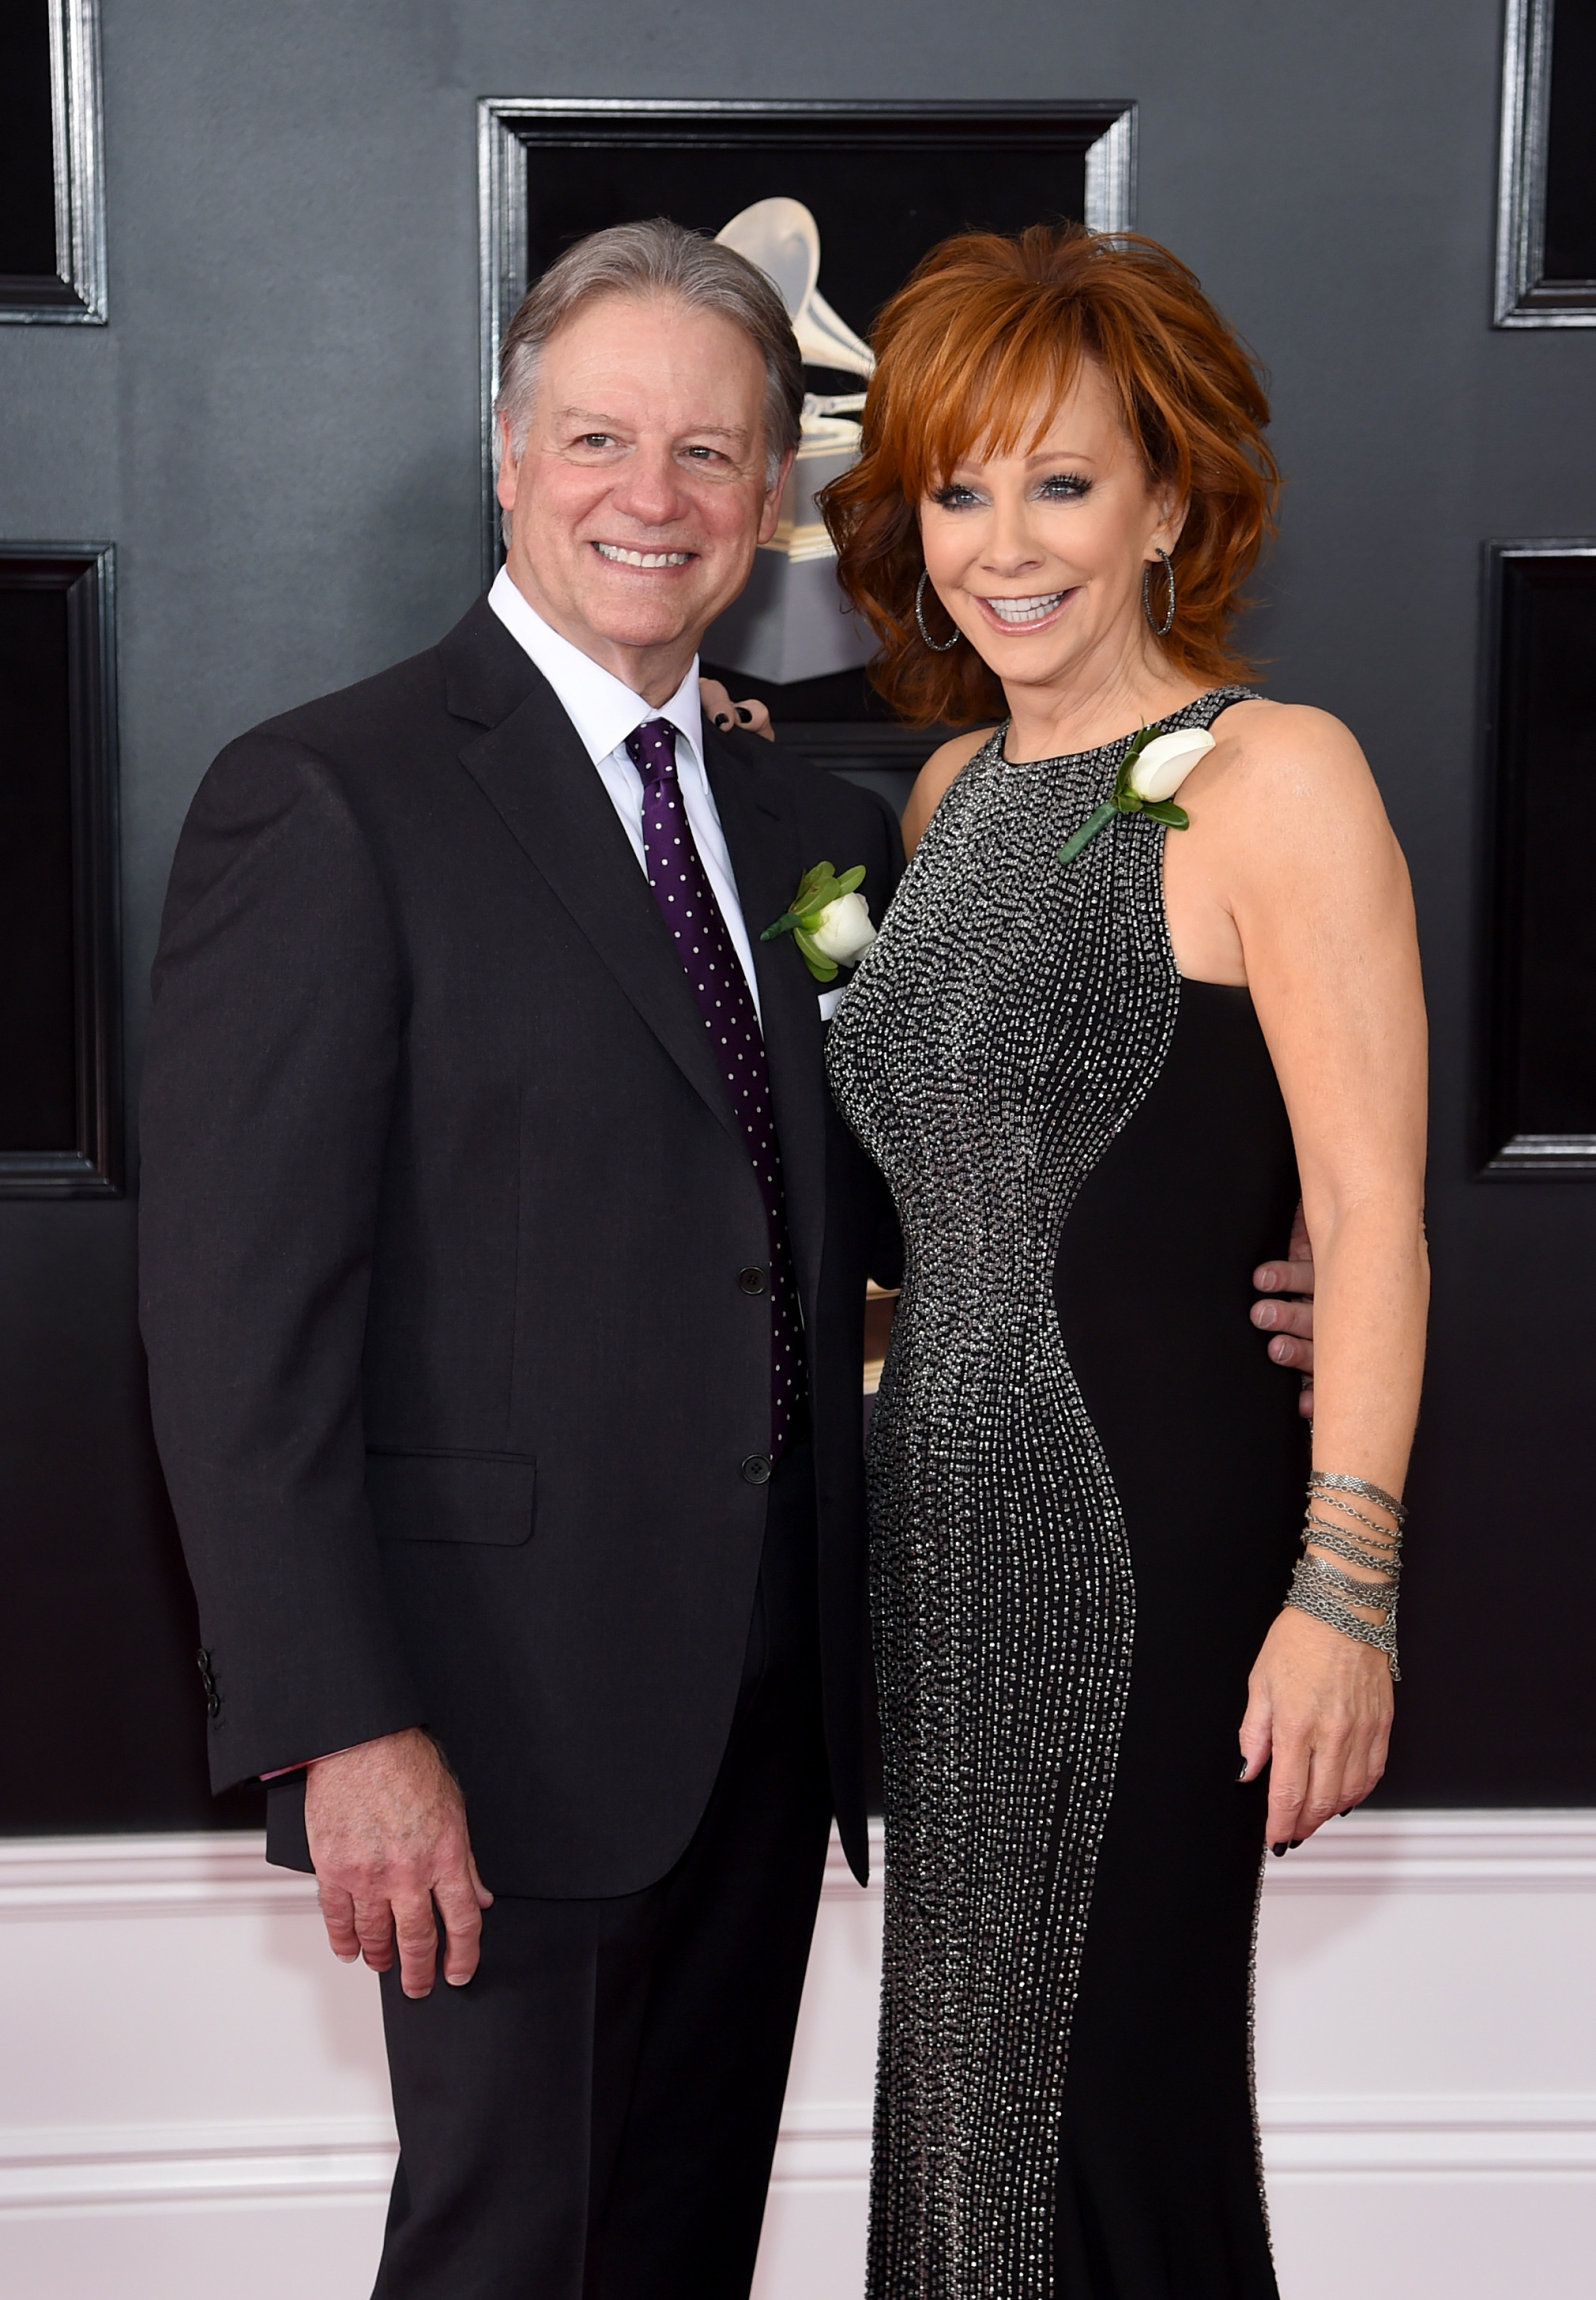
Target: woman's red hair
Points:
(988, 331)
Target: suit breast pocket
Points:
(452, 1497)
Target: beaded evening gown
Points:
(1086, 1483)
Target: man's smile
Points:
(619, 555)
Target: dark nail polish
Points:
(1242, 1775)
(1296, 1841)
(1280, 1851)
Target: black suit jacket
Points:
(460, 1398)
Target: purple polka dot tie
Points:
(688, 907)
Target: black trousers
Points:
(594, 2116)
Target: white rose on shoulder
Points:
(1162, 765)
(843, 930)
(1150, 773)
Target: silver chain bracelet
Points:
(1324, 1590)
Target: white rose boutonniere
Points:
(828, 919)
(1150, 774)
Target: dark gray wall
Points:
(277, 430)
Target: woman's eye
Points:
(1065, 487)
(955, 498)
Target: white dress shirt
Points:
(604, 712)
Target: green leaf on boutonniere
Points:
(1166, 811)
(1125, 800)
(823, 969)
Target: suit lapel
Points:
(764, 841)
(539, 780)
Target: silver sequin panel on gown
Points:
(1008, 1021)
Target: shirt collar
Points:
(602, 709)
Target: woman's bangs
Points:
(1001, 397)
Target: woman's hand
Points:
(1319, 1716)
(751, 717)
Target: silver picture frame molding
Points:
(502, 195)
(1524, 296)
(78, 142)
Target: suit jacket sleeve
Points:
(272, 1060)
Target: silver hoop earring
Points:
(937, 646)
(1159, 630)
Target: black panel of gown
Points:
(1158, 2176)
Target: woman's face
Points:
(1038, 555)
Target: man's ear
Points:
(771, 513)
(508, 475)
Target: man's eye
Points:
(596, 439)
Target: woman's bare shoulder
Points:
(1274, 738)
(1293, 796)
(932, 784)
(1300, 759)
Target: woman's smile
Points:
(1038, 612)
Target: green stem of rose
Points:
(1099, 820)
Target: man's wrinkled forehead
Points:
(610, 324)
(629, 360)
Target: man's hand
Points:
(751, 717)
(387, 1829)
(1291, 1323)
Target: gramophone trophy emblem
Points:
(793, 622)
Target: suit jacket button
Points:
(757, 1469)
(751, 1280)
(213, 1700)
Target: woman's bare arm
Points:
(1296, 843)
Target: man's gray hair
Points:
(658, 258)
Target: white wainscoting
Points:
(192, 2101)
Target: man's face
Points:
(639, 497)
